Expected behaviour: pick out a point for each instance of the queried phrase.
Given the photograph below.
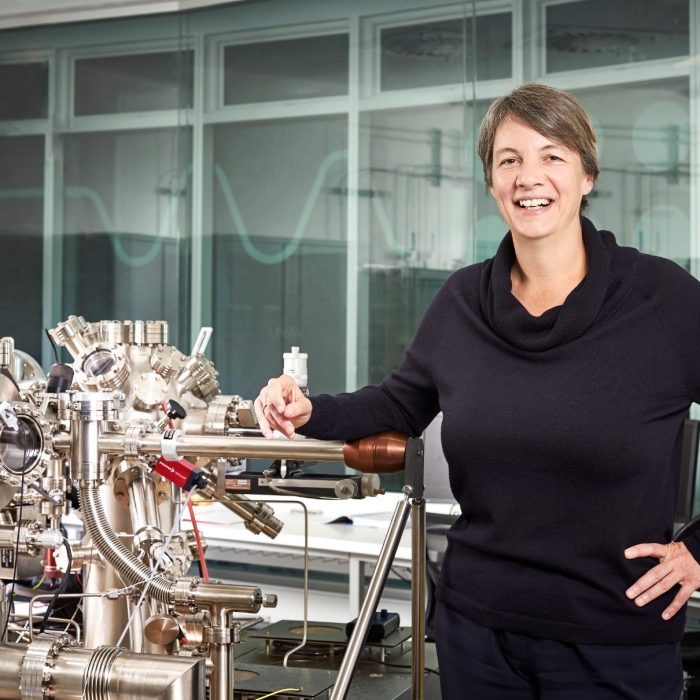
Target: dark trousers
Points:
(478, 663)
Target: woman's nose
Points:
(529, 174)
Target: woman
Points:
(564, 367)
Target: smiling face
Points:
(538, 183)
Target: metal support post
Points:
(374, 592)
(414, 482)
(413, 489)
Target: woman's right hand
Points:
(281, 405)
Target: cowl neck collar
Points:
(509, 319)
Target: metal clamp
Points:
(168, 444)
(132, 436)
(182, 593)
(219, 635)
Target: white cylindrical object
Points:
(295, 366)
(51, 539)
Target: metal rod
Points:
(418, 597)
(374, 591)
(221, 681)
(221, 446)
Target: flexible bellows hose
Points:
(133, 571)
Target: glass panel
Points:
(417, 192)
(279, 249)
(126, 213)
(643, 193)
(603, 33)
(442, 53)
(21, 240)
(24, 90)
(135, 83)
(286, 70)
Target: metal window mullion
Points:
(25, 127)
(437, 95)
(158, 119)
(279, 110)
(519, 59)
(52, 258)
(200, 263)
(352, 307)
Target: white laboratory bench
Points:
(352, 548)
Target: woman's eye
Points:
(507, 161)
(551, 156)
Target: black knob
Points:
(175, 410)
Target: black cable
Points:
(426, 669)
(60, 590)
(53, 345)
(6, 372)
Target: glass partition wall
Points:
(303, 173)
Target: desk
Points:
(356, 545)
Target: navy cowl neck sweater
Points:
(562, 433)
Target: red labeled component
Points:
(50, 569)
(181, 472)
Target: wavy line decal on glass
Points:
(234, 210)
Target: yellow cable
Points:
(38, 584)
(277, 692)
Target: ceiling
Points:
(22, 13)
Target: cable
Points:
(147, 584)
(53, 345)
(198, 540)
(6, 372)
(426, 669)
(277, 692)
(60, 590)
(302, 644)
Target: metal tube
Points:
(377, 453)
(143, 503)
(221, 680)
(9, 537)
(11, 659)
(374, 591)
(85, 456)
(4, 611)
(257, 516)
(226, 446)
(418, 597)
(108, 673)
(104, 618)
(69, 671)
(229, 596)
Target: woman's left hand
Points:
(676, 566)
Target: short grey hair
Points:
(553, 113)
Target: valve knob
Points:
(175, 410)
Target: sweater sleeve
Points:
(675, 294)
(676, 297)
(406, 401)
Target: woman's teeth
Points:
(534, 203)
